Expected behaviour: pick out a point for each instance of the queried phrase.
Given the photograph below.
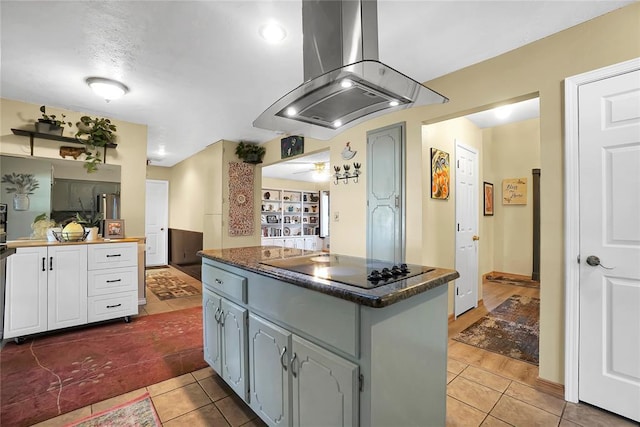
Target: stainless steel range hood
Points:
(345, 84)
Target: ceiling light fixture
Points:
(272, 32)
(107, 88)
(337, 123)
(291, 112)
(503, 112)
(393, 103)
(346, 83)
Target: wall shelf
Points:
(69, 140)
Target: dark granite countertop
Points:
(250, 258)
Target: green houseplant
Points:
(95, 133)
(50, 124)
(250, 153)
(24, 184)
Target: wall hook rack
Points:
(347, 174)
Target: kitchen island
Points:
(306, 341)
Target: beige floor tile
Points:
(203, 373)
(463, 415)
(256, 422)
(207, 416)
(536, 398)
(170, 384)
(117, 400)
(567, 423)
(486, 378)
(472, 393)
(450, 377)
(589, 416)
(455, 366)
(215, 387)
(235, 410)
(519, 413)
(494, 422)
(142, 311)
(185, 302)
(157, 307)
(64, 419)
(180, 401)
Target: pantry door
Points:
(157, 222)
(608, 139)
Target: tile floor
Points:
(483, 389)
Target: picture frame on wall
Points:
(114, 228)
(488, 199)
(291, 146)
(440, 175)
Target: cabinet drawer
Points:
(112, 255)
(112, 281)
(105, 307)
(225, 282)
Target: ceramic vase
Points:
(21, 202)
(93, 233)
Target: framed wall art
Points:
(114, 228)
(291, 146)
(440, 178)
(514, 191)
(488, 199)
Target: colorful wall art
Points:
(440, 178)
(514, 191)
(240, 199)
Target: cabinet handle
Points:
(293, 361)
(282, 362)
(216, 316)
(114, 281)
(50, 263)
(44, 261)
(114, 306)
(221, 317)
(219, 282)
(111, 256)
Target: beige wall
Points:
(538, 68)
(131, 153)
(289, 184)
(513, 150)
(160, 173)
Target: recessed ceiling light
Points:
(291, 112)
(346, 83)
(107, 88)
(503, 112)
(337, 123)
(393, 103)
(272, 32)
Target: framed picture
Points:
(439, 174)
(113, 228)
(291, 146)
(272, 219)
(488, 199)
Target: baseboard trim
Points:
(550, 387)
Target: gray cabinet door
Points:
(325, 387)
(211, 329)
(269, 356)
(234, 347)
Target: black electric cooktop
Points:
(353, 271)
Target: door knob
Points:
(475, 238)
(594, 261)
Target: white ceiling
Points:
(198, 71)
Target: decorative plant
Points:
(97, 133)
(40, 225)
(52, 120)
(88, 219)
(25, 183)
(250, 153)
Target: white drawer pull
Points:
(114, 255)
(114, 281)
(114, 306)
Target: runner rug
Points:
(166, 285)
(137, 412)
(512, 280)
(511, 329)
(53, 374)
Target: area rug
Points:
(138, 412)
(510, 280)
(511, 329)
(166, 285)
(56, 373)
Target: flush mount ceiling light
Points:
(107, 88)
(272, 32)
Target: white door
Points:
(609, 165)
(269, 354)
(466, 193)
(385, 193)
(157, 222)
(67, 286)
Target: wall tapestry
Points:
(291, 146)
(439, 174)
(240, 199)
(488, 199)
(514, 191)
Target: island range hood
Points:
(344, 83)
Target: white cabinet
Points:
(289, 217)
(225, 340)
(296, 383)
(46, 289)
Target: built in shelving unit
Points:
(69, 140)
(290, 218)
